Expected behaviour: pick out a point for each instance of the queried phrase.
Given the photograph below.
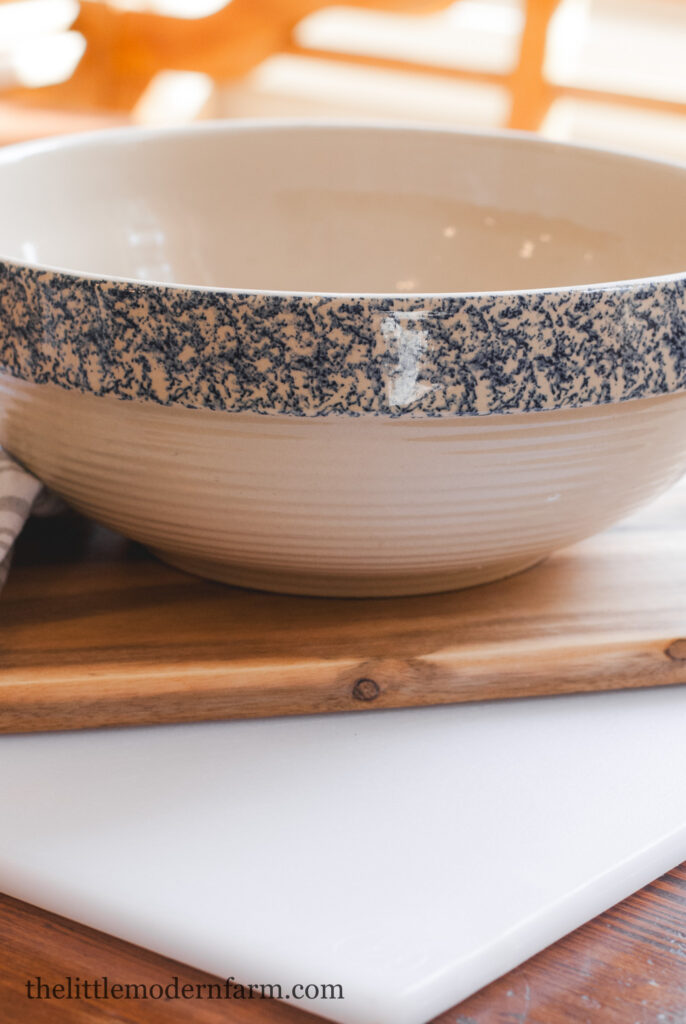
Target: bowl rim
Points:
(22, 150)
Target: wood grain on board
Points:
(95, 632)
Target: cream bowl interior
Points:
(342, 209)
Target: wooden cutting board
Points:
(95, 632)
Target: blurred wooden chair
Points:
(126, 49)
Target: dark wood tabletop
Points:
(628, 966)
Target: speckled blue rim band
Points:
(318, 356)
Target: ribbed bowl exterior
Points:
(340, 506)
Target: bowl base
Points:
(332, 585)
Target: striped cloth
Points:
(18, 493)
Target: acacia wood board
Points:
(95, 632)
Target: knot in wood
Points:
(677, 650)
(366, 689)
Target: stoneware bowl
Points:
(343, 360)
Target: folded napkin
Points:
(19, 494)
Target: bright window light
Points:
(173, 8)
(307, 86)
(636, 47)
(26, 19)
(46, 60)
(174, 97)
(479, 34)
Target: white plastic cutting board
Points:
(411, 856)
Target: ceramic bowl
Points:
(338, 359)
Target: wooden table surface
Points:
(628, 966)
